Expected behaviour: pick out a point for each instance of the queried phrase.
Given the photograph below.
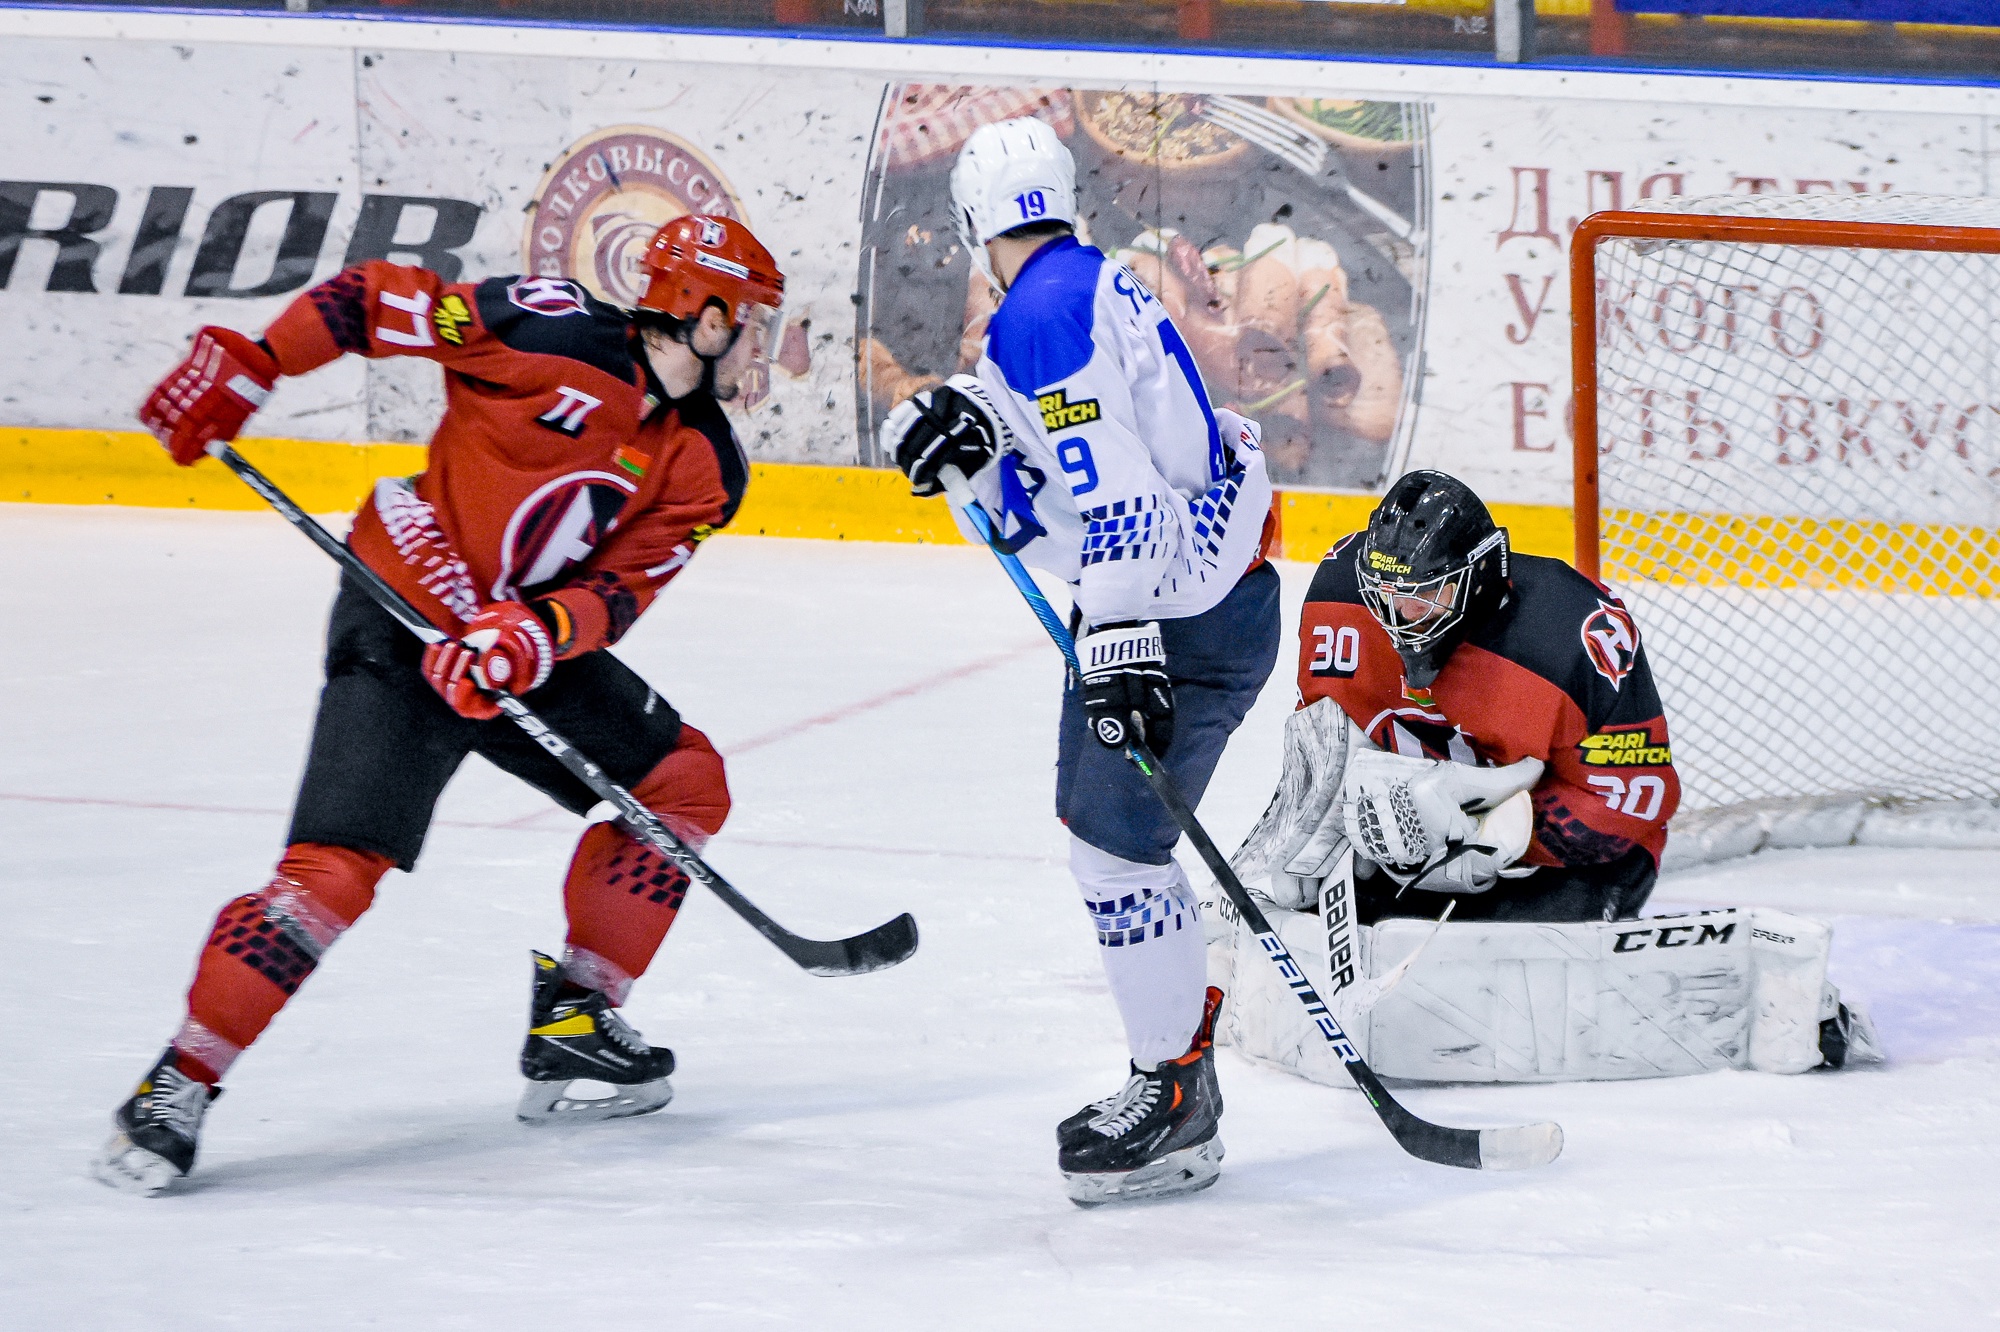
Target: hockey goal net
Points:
(1788, 465)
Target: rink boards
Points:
(166, 170)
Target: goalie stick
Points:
(1513, 1148)
(884, 946)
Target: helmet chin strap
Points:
(1420, 669)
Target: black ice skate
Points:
(159, 1130)
(1846, 1034)
(576, 1036)
(1156, 1137)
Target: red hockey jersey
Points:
(558, 471)
(1556, 674)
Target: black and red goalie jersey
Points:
(560, 470)
(1555, 672)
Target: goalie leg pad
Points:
(1663, 996)
(1301, 833)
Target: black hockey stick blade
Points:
(1519, 1147)
(875, 950)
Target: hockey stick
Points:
(1474, 1149)
(884, 946)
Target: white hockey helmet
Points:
(1010, 174)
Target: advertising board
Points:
(1367, 258)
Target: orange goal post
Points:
(1787, 462)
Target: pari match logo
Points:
(602, 199)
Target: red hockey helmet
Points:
(697, 259)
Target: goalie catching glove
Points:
(1445, 827)
(952, 425)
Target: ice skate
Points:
(1157, 1137)
(1076, 1129)
(159, 1131)
(1847, 1035)
(576, 1039)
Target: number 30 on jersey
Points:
(1336, 652)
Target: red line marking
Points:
(840, 714)
(525, 822)
(782, 844)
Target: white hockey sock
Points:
(1149, 933)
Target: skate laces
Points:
(1132, 1104)
(621, 1033)
(176, 1102)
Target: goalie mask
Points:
(1432, 567)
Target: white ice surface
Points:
(874, 1152)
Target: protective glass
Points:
(1415, 614)
(756, 338)
(762, 326)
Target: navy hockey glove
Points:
(1125, 672)
(947, 426)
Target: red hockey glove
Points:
(504, 647)
(210, 395)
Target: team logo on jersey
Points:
(450, 318)
(1423, 735)
(554, 297)
(1623, 747)
(557, 526)
(1059, 413)
(1611, 641)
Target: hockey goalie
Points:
(1479, 741)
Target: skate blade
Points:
(129, 1168)
(559, 1103)
(1189, 1170)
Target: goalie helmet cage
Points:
(1787, 463)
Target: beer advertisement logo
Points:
(605, 195)
(599, 204)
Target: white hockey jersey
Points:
(1120, 480)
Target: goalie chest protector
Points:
(1557, 673)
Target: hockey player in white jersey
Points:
(1089, 437)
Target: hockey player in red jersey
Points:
(1479, 731)
(581, 459)
(1484, 677)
